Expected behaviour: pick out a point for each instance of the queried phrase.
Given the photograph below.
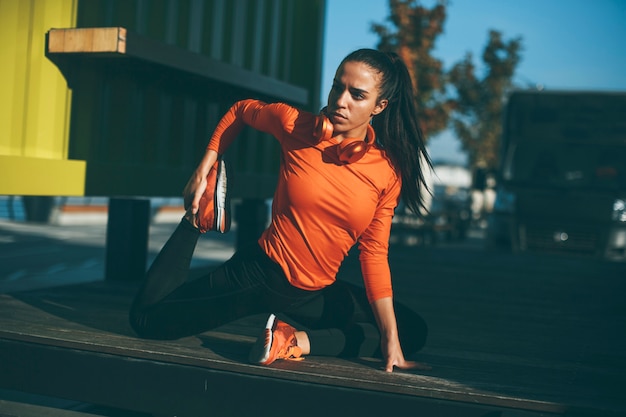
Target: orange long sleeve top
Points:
(321, 207)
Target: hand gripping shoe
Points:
(214, 207)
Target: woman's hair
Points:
(397, 128)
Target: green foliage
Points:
(477, 117)
(475, 111)
(411, 32)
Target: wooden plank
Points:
(18, 409)
(63, 320)
(165, 389)
(91, 321)
(118, 42)
(521, 334)
(87, 40)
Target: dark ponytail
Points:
(397, 128)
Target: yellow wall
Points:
(125, 125)
(35, 102)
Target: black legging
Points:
(338, 319)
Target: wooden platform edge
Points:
(306, 373)
(76, 343)
(153, 386)
(22, 409)
(119, 42)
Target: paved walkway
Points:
(39, 255)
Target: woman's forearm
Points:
(385, 317)
(209, 158)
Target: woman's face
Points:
(353, 99)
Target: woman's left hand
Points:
(394, 358)
(389, 340)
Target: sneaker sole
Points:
(220, 199)
(260, 352)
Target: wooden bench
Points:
(512, 345)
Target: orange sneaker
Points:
(214, 208)
(278, 341)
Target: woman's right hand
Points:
(196, 185)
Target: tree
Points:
(477, 117)
(411, 33)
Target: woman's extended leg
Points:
(170, 269)
(170, 306)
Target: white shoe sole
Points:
(220, 198)
(260, 352)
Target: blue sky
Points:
(568, 44)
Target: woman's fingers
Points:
(407, 366)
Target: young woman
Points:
(342, 173)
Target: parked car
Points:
(562, 177)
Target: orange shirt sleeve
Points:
(374, 246)
(274, 118)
